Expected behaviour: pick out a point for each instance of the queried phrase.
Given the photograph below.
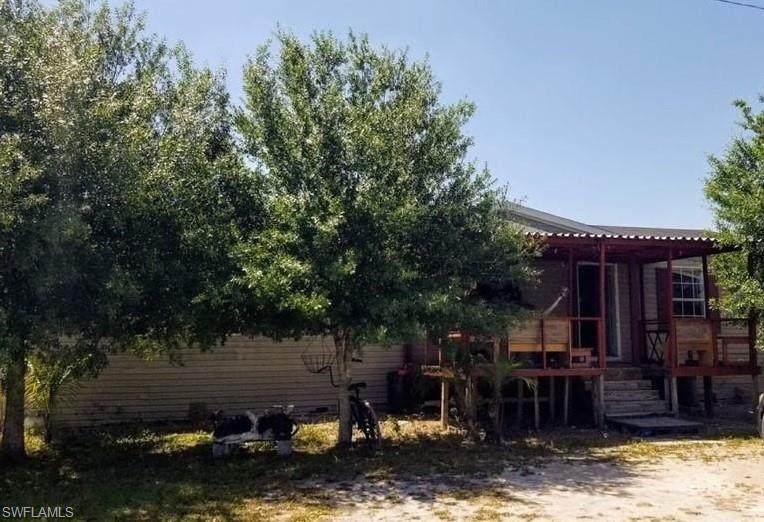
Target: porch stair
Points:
(628, 394)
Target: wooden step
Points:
(636, 407)
(628, 385)
(631, 395)
(623, 374)
(646, 426)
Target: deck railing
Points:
(697, 341)
(560, 335)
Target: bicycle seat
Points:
(357, 386)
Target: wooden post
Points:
(671, 356)
(444, 386)
(601, 401)
(520, 385)
(602, 338)
(595, 402)
(755, 388)
(711, 316)
(552, 408)
(566, 401)
(571, 279)
(752, 320)
(543, 346)
(753, 316)
(642, 334)
(708, 396)
(497, 395)
(634, 305)
(674, 397)
(536, 413)
(444, 400)
(572, 298)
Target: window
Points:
(689, 295)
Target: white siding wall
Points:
(244, 374)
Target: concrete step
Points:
(636, 407)
(623, 374)
(628, 385)
(630, 395)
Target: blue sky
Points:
(599, 110)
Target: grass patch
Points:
(167, 472)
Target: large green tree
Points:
(735, 188)
(117, 196)
(378, 226)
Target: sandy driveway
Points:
(672, 488)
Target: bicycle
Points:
(364, 416)
(362, 413)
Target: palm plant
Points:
(51, 381)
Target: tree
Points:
(377, 225)
(52, 378)
(735, 188)
(118, 193)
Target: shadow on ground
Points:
(168, 472)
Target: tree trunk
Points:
(344, 352)
(471, 409)
(466, 404)
(12, 448)
(47, 419)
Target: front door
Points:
(589, 306)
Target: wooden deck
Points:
(654, 425)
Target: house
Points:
(626, 335)
(633, 331)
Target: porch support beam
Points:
(671, 356)
(710, 291)
(566, 401)
(601, 354)
(635, 305)
(444, 399)
(598, 400)
(552, 405)
(753, 316)
(572, 292)
(572, 301)
(708, 396)
(674, 396)
(520, 386)
(444, 386)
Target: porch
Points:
(660, 319)
(635, 301)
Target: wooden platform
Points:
(651, 425)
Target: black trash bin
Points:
(399, 392)
(686, 391)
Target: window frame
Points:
(696, 273)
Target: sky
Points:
(602, 111)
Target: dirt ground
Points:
(680, 486)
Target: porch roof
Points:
(644, 244)
(623, 248)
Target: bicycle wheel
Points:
(368, 422)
